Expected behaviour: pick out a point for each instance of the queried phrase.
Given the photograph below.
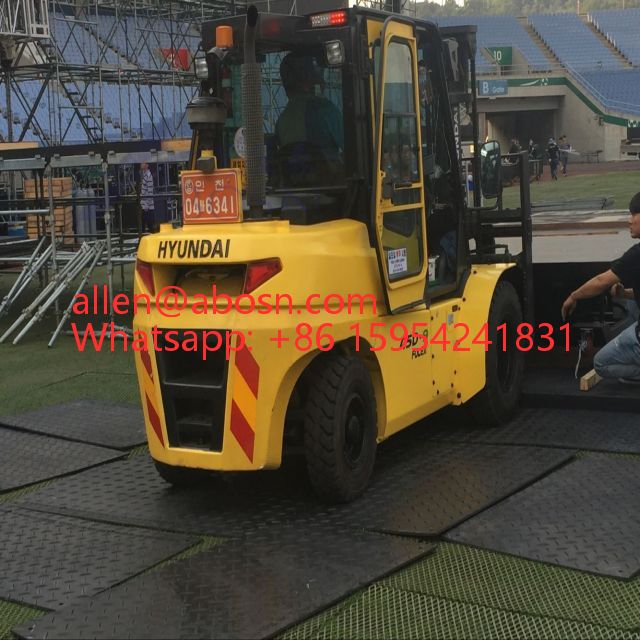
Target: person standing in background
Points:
(564, 147)
(535, 158)
(554, 155)
(146, 198)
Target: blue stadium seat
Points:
(621, 29)
(496, 31)
(22, 101)
(571, 40)
(148, 36)
(115, 36)
(618, 90)
(78, 45)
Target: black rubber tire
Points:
(181, 476)
(498, 402)
(340, 427)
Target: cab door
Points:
(399, 197)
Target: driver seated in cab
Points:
(310, 130)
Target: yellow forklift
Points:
(350, 209)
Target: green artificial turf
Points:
(33, 375)
(12, 615)
(620, 185)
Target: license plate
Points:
(209, 198)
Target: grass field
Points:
(33, 375)
(620, 185)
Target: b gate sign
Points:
(502, 55)
(493, 88)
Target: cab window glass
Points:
(402, 232)
(399, 137)
(304, 127)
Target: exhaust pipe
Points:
(253, 118)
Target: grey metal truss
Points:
(24, 19)
(132, 47)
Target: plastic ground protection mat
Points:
(50, 560)
(27, 458)
(583, 516)
(249, 588)
(382, 612)
(91, 421)
(131, 492)
(445, 485)
(558, 388)
(570, 428)
(499, 581)
(423, 492)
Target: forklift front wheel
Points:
(340, 427)
(181, 476)
(499, 399)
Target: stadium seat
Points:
(618, 90)
(620, 27)
(496, 31)
(573, 43)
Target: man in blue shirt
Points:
(309, 123)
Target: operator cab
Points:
(306, 97)
(330, 129)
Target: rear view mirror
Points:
(490, 165)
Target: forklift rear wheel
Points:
(180, 476)
(340, 427)
(499, 399)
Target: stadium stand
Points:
(620, 27)
(571, 40)
(129, 112)
(145, 38)
(115, 34)
(618, 90)
(78, 45)
(22, 99)
(121, 112)
(154, 107)
(501, 31)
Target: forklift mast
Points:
(460, 54)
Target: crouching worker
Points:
(619, 358)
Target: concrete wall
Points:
(583, 128)
(587, 131)
(613, 136)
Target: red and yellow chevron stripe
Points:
(149, 392)
(244, 401)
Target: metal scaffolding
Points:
(302, 7)
(56, 261)
(94, 71)
(24, 19)
(91, 71)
